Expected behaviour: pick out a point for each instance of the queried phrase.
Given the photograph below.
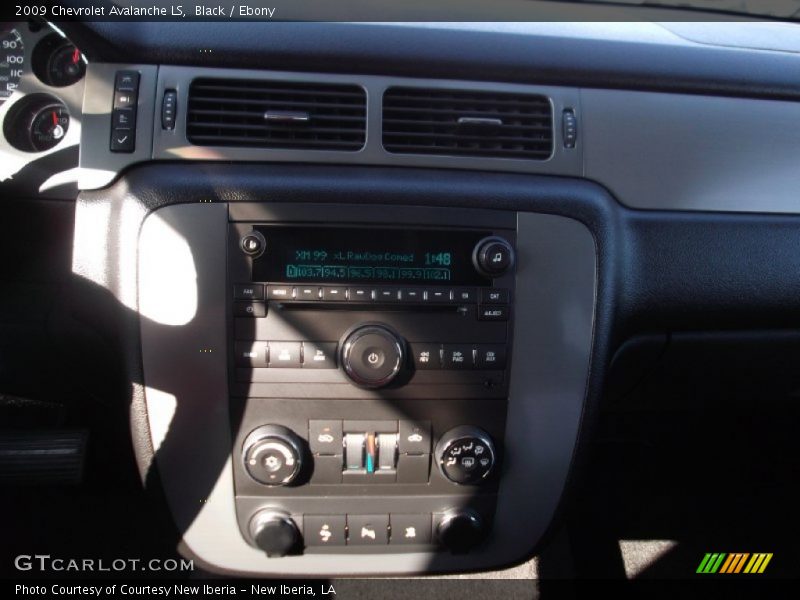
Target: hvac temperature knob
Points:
(273, 455)
(372, 355)
(466, 455)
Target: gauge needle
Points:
(55, 118)
(75, 57)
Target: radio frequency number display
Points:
(368, 255)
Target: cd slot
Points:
(373, 306)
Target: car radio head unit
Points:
(369, 255)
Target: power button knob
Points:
(372, 356)
(493, 256)
(253, 243)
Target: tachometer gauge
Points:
(12, 59)
(57, 62)
(48, 126)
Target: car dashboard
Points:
(368, 290)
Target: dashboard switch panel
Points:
(123, 115)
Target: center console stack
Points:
(369, 371)
(354, 388)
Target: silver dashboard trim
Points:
(100, 166)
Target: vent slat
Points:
(425, 121)
(447, 139)
(282, 104)
(259, 115)
(238, 140)
(451, 125)
(230, 112)
(499, 153)
(271, 91)
(277, 130)
(466, 111)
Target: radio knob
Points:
(274, 532)
(372, 355)
(493, 256)
(466, 455)
(273, 455)
(253, 244)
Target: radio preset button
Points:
(458, 356)
(437, 295)
(391, 294)
(319, 355)
(284, 355)
(493, 313)
(334, 294)
(306, 292)
(412, 295)
(359, 294)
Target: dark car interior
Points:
(499, 304)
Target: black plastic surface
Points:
(428, 52)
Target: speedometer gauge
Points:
(12, 54)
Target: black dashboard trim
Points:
(428, 52)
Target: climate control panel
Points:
(382, 453)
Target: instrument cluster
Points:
(41, 95)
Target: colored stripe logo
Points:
(737, 562)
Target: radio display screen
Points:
(368, 255)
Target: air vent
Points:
(276, 114)
(467, 123)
